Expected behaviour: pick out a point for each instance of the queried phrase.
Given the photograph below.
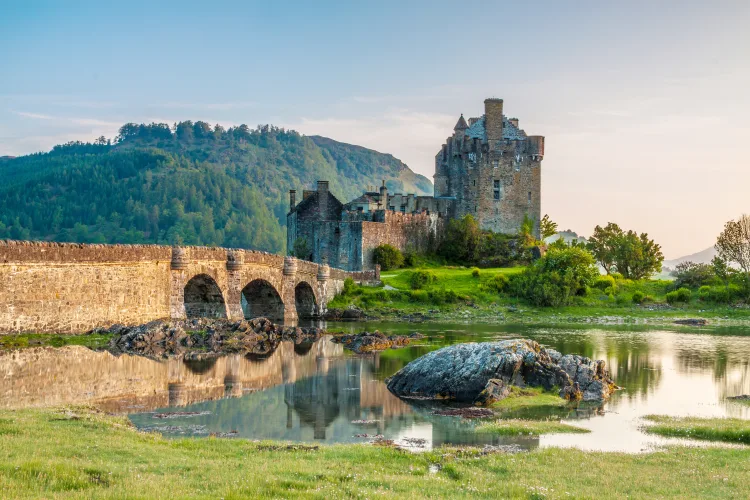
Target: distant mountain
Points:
(568, 236)
(191, 184)
(702, 257)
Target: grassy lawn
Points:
(40, 339)
(517, 426)
(530, 397)
(77, 453)
(732, 430)
(475, 300)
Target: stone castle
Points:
(489, 168)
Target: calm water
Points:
(320, 393)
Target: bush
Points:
(349, 286)
(692, 275)
(475, 272)
(420, 296)
(388, 256)
(420, 278)
(410, 259)
(557, 277)
(443, 296)
(638, 297)
(679, 295)
(604, 282)
(498, 284)
(719, 294)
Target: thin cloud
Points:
(35, 116)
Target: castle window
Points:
(403, 207)
(497, 194)
(360, 209)
(475, 183)
(529, 196)
(496, 184)
(392, 208)
(496, 164)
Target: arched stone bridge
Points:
(69, 288)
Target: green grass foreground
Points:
(459, 295)
(14, 341)
(731, 430)
(517, 426)
(79, 453)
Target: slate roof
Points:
(510, 131)
(461, 124)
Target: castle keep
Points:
(489, 168)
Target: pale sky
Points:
(644, 105)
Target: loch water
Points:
(319, 393)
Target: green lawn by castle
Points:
(481, 305)
(76, 453)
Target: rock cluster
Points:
(351, 313)
(365, 342)
(161, 337)
(480, 373)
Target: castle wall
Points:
(407, 232)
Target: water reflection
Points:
(316, 392)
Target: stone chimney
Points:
(292, 199)
(384, 196)
(323, 199)
(493, 120)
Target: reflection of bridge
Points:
(62, 288)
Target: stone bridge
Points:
(72, 288)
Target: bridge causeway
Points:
(72, 288)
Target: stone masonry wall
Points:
(73, 288)
(407, 232)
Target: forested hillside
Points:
(191, 184)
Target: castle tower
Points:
(493, 170)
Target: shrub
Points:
(719, 294)
(442, 296)
(679, 295)
(498, 284)
(381, 295)
(604, 282)
(475, 272)
(638, 297)
(421, 278)
(388, 256)
(419, 296)
(692, 275)
(349, 286)
(410, 259)
(557, 277)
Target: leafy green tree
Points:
(603, 245)
(388, 257)
(462, 239)
(302, 249)
(733, 245)
(547, 228)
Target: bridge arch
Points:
(203, 298)
(260, 298)
(305, 301)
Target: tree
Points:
(388, 257)
(603, 244)
(547, 228)
(637, 256)
(630, 254)
(733, 244)
(302, 249)
(462, 240)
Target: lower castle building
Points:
(489, 168)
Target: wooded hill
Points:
(190, 184)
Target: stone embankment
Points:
(161, 338)
(480, 373)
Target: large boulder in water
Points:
(461, 372)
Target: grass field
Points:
(458, 294)
(731, 430)
(79, 453)
(516, 426)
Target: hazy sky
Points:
(644, 104)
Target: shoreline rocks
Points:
(480, 373)
(164, 337)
